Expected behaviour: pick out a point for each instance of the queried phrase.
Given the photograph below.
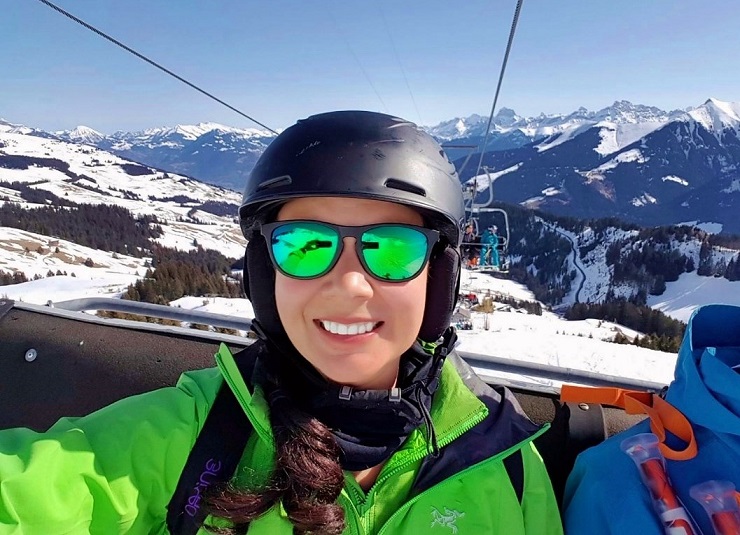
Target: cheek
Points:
(410, 302)
(289, 298)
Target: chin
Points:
(349, 377)
(361, 380)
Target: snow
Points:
(63, 288)
(82, 134)
(632, 155)
(475, 282)
(598, 173)
(706, 226)
(734, 187)
(532, 202)
(644, 200)
(549, 340)
(36, 254)
(677, 179)
(559, 137)
(216, 305)
(482, 181)
(142, 195)
(628, 121)
(174, 136)
(619, 126)
(717, 116)
(682, 297)
(615, 137)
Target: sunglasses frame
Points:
(432, 237)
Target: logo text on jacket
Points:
(211, 470)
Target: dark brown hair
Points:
(307, 477)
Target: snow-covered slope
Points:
(81, 134)
(717, 117)
(510, 333)
(84, 174)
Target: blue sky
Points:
(425, 60)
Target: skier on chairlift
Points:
(489, 251)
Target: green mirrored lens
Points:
(394, 253)
(304, 249)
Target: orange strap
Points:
(663, 416)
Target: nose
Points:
(348, 275)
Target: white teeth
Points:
(353, 328)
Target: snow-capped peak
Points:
(624, 112)
(7, 126)
(507, 117)
(192, 132)
(717, 115)
(81, 134)
(458, 127)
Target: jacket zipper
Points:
(460, 430)
(463, 428)
(349, 505)
(443, 483)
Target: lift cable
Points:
(355, 57)
(500, 80)
(398, 61)
(157, 65)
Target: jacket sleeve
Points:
(539, 506)
(110, 472)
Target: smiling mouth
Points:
(349, 329)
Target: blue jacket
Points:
(605, 494)
(489, 237)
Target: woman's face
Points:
(348, 295)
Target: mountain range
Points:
(631, 162)
(561, 260)
(42, 172)
(635, 162)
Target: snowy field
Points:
(552, 341)
(681, 297)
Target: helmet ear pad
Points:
(443, 286)
(259, 285)
(441, 295)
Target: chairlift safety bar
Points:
(489, 367)
(159, 311)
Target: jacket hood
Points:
(706, 387)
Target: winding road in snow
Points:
(576, 260)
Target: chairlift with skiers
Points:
(487, 233)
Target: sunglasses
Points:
(392, 252)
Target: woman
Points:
(358, 419)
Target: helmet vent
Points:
(394, 183)
(284, 180)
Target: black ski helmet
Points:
(365, 155)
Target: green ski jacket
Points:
(114, 471)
